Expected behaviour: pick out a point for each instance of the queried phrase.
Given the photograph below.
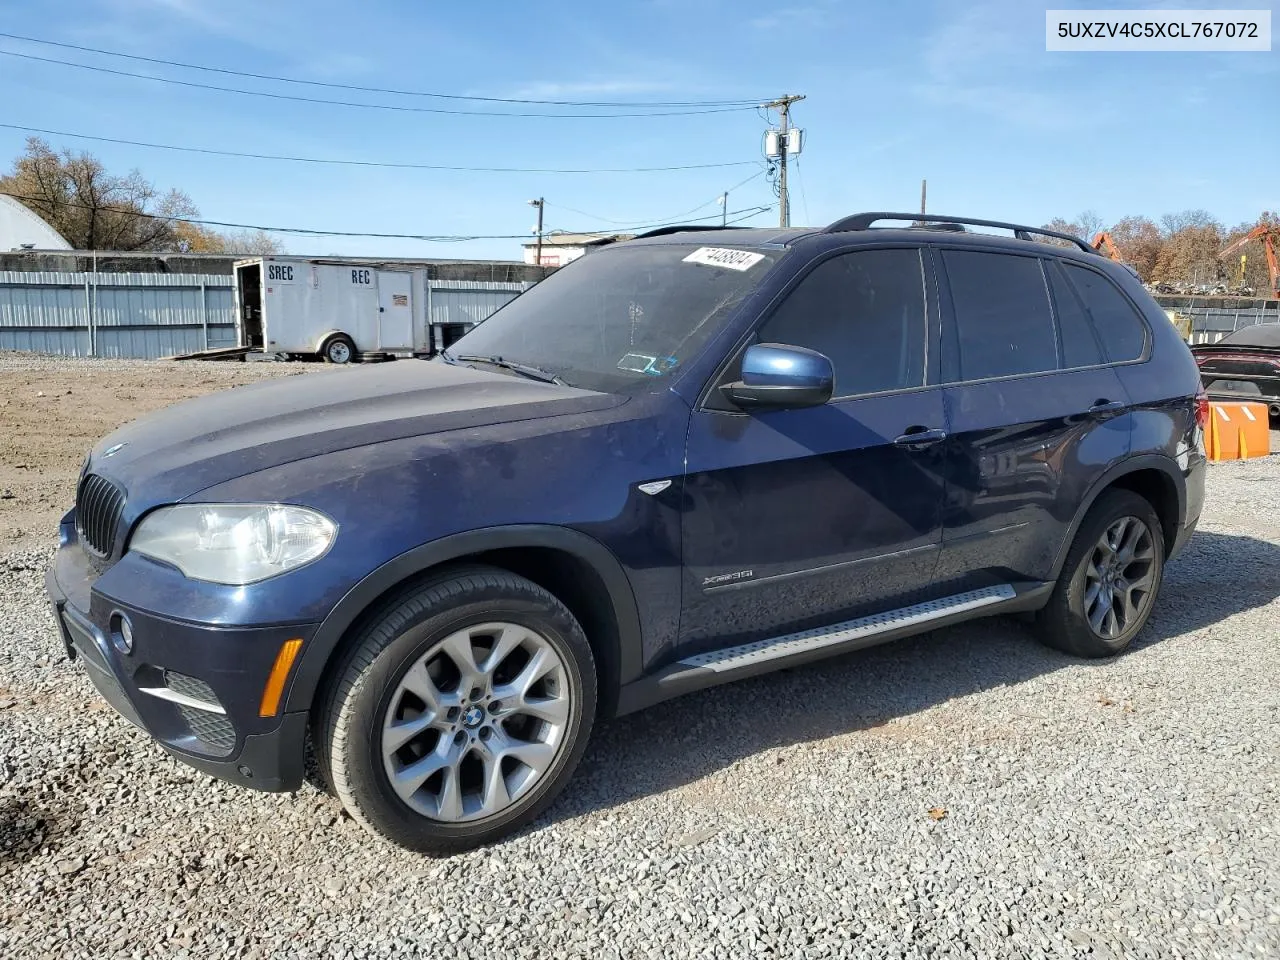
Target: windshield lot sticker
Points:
(650, 366)
(739, 260)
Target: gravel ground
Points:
(967, 793)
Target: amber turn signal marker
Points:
(279, 673)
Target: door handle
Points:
(1106, 409)
(918, 437)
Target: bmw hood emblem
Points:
(115, 448)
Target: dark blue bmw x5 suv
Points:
(685, 459)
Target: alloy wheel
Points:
(1119, 578)
(474, 724)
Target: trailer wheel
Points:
(339, 349)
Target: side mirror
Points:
(778, 375)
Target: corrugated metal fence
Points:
(115, 314)
(465, 302)
(468, 301)
(1211, 324)
(149, 315)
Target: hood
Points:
(185, 448)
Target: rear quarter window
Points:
(1080, 347)
(1117, 323)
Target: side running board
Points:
(745, 660)
(731, 658)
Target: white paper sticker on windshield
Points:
(723, 257)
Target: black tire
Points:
(1063, 623)
(339, 349)
(348, 726)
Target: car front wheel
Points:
(460, 713)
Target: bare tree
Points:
(251, 242)
(1059, 225)
(1090, 224)
(194, 238)
(91, 208)
(1190, 252)
(1177, 222)
(1139, 241)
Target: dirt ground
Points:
(53, 409)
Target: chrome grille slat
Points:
(98, 508)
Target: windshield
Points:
(622, 319)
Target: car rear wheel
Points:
(460, 713)
(1110, 579)
(339, 349)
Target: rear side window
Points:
(866, 312)
(1079, 346)
(1119, 327)
(1003, 323)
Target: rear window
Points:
(1003, 323)
(1119, 327)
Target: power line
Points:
(399, 108)
(373, 163)
(253, 226)
(673, 217)
(750, 215)
(304, 231)
(804, 200)
(391, 90)
(748, 211)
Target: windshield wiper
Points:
(525, 369)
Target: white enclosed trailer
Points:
(338, 310)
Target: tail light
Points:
(1202, 408)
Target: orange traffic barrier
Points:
(1238, 430)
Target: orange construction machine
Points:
(1270, 237)
(1103, 243)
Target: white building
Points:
(20, 228)
(561, 248)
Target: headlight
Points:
(234, 543)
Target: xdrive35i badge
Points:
(727, 578)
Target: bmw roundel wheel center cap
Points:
(473, 716)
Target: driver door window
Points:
(866, 312)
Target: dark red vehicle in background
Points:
(1244, 365)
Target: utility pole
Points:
(924, 186)
(783, 106)
(539, 203)
(724, 208)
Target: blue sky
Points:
(962, 93)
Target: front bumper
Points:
(195, 688)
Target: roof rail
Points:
(863, 221)
(664, 231)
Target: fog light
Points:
(121, 633)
